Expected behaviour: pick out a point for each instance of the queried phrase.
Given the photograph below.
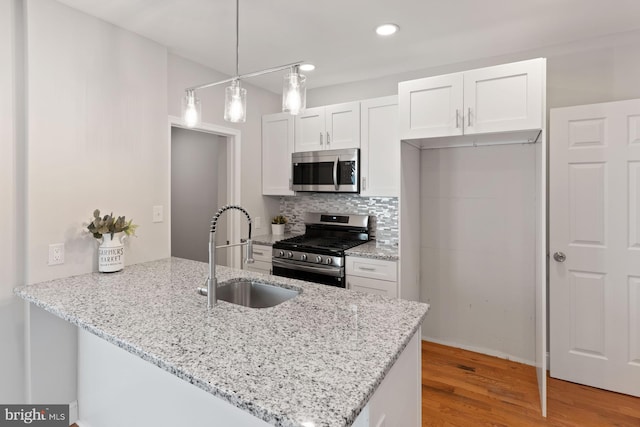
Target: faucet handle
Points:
(249, 259)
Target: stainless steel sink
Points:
(253, 294)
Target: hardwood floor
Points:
(462, 388)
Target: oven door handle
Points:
(335, 172)
(331, 271)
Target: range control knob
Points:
(281, 254)
(289, 254)
(303, 257)
(328, 261)
(318, 259)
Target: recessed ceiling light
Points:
(307, 67)
(386, 29)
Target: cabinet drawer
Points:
(373, 286)
(373, 268)
(259, 267)
(262, 253)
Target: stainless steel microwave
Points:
(329, 171)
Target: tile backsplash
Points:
(383, 212)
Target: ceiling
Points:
(338, 35)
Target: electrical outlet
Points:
(56, 253)
(258, 222)
(158, 215)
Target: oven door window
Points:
(309, 276)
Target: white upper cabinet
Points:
(380, 147)
(431, 107)
(277, 146)
(504, 98)
(328, 128)
(309, 130)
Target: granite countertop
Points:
(294, 363)
(270, 239)
(372, 250)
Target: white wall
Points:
(97, 118)
(584, 72)
(12, 388)
(96, 138)
(478, 221)
(198, 189)
(410, 223)
(184, 73)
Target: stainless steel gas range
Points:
(319, 255)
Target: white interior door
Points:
(595, 245)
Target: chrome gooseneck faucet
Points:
(212, 282)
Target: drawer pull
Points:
(367, 268)
(258, 252)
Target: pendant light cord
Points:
(237, 38)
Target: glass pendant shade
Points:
(235, 103)
(191, 114)
(294, 92)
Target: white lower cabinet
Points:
(375, 276)
(397, 401)
(262, 257)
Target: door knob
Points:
(559, 256)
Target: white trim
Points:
(234, 174)
(482, 350)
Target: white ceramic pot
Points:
(277, 229)
(111, 253)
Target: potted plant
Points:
(277, 224)
(111, 231)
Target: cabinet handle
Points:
(469, 116)
(367, 269)
(258, 252)
(364, 183)
(321, 138)
(290, 184)
(457, 118)
(328, 138)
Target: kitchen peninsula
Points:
(328, 357)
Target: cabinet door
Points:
(277, 146)
(504, 98)
(310, 130)
(342, 126)
(372, 286)
(431, 107)
(379, 147)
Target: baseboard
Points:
(548, 362)
(482, 350)
(73, 412)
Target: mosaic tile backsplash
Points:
(383, 212)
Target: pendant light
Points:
(294, 92)
(235, 96)
(191, 113)
(235, 103)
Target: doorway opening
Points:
(204, 175)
